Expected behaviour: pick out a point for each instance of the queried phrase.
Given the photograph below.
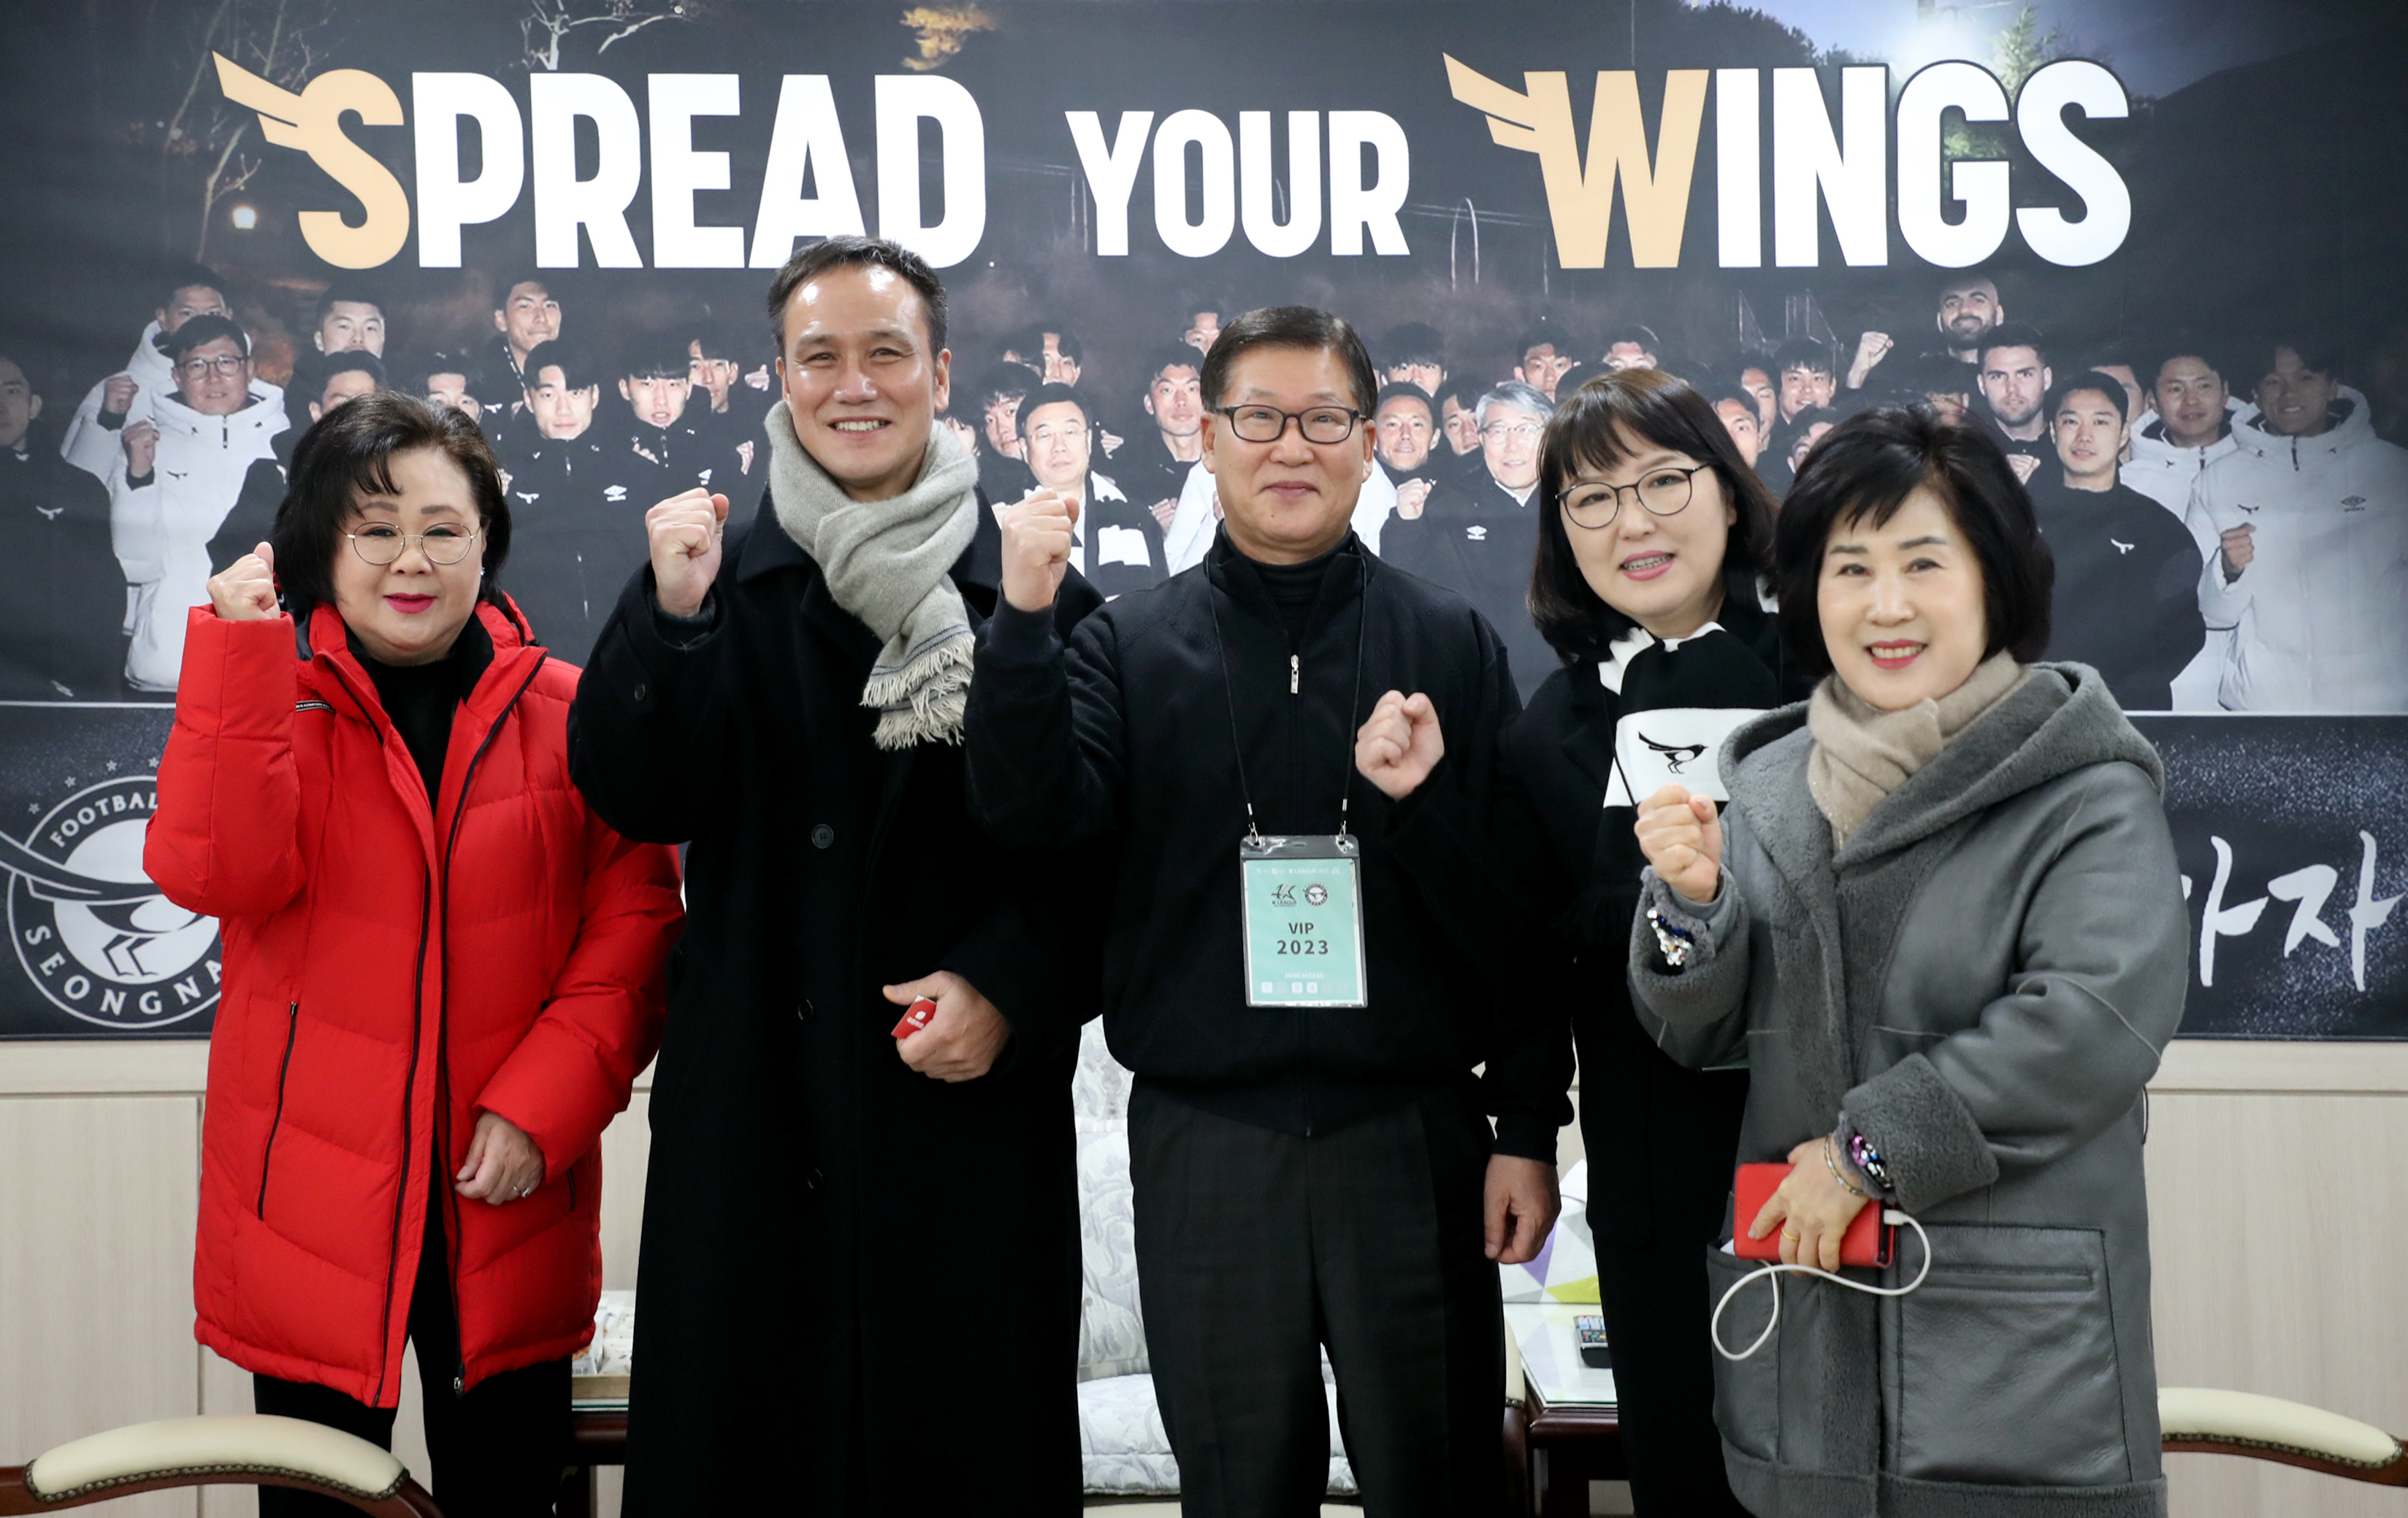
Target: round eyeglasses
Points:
(1268, 423)
(380, 545)
(1664, 491)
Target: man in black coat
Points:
(2126, 600)
(860, 1254)
(1312, 1167)
(61, 639)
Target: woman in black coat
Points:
(1649, 544)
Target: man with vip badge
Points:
(1309, 1147)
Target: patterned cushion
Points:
(1112, 1323)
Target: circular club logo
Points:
(90, 930)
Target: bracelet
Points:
(1675, 943)
(1869, 1160)
(1831, 1162)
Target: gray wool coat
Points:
(1981, 982)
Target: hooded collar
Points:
(2059, 721)
(2353, 425)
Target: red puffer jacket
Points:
(391, 973)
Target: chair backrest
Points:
(247, 1451)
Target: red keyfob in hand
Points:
(915, 1017)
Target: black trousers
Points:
(497, 1451)
(1255, 1248)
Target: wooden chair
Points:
(208, 1451)
(2200, 1421)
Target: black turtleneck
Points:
(421, 699)
(1294, 587)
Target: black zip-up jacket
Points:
(2126, 600)
(1127, 732)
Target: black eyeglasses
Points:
(381, 545)
(1663, 492)
(1268, 423)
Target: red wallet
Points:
(1868, 1242)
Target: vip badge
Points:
(91, 931)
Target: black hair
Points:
(346, 361)
(1172, 356)
(2320, 352)
(524, 276)
(2106, 384)
(1464, 391)
(1542, 335)
(414, 371)
(715, 339)
(1588, 430)
(187, 277)
(1004, 381)
(2013, 334)
(347, 454)
(1065, 342)
(845, 251)
(203, 329)
(577, 371)
(654, 353)
(1910, 381)
(341, 293)
(1407, 390)
(1806, 353)
(2187, 345)
(2113, 352)
(1750, 358)
(1635, 332)
(1290, 326)
(1415, 342)
(1738, 395)
(1805, 422)
(1053, 393)
(1866, 469)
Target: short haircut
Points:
(1588, 430)
(2320, 352)
(413, 372)
(1415, 342)
(2116, 351)
(349, 361)
(715, 339)
(2187, 345)
(1806, 421)
(657, 354)
(186, 276)
(1464, 391)
(1750, 358)
(204, 329)
(348, 453)
(1806, 353)
(1542, 335)
(1964, 282)
(343, 293)
(1065, 342)
(1297, 327)
(1058, 394)
(1513, 393)
(1405, 390)
(2106, 384)
(2013, 334)
(1010, 382)
(1635, 332)
(1866, 469)
(1172, 356)
(1909, 381)
(1736, 395)
(524, 276)
(577, 371)
(808, 264)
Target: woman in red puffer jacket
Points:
(442, 972)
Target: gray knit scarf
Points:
(1862, 753)
(889, 563)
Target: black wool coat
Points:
(860, 1287)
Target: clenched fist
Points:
(963, 1040)
(1037, 548)
(117, 394)
(1682, 836)
(247, 590)
(1401, 743)
(141, 442)
(1411, 497)
(684, 532)
(2239, 545)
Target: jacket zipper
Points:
(1295, 673)
(443, 1004)
(267, 1155)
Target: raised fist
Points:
(141, 442)
(117, 394)
(247, 590)
(1682, 836)
(1037, 548)
(1411, 497)
(2240, 549)
(684, 532)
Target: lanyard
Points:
(1228, 694)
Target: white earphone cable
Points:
(1774, 1273)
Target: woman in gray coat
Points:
(1942, 923)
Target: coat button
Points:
(803, 1010)
(811, 1180)
(823, 837)
(641, 691)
